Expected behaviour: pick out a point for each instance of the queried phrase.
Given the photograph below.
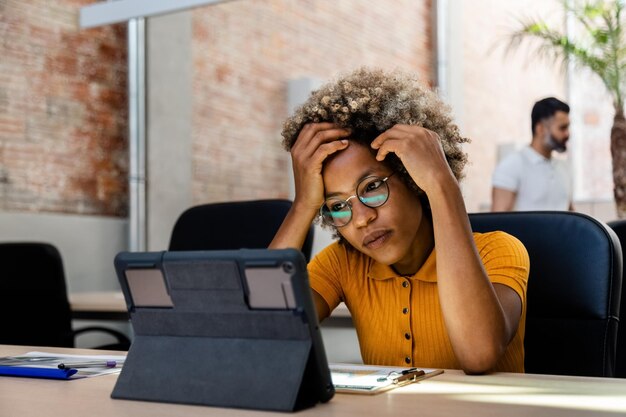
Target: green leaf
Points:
(599, 44)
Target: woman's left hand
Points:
(420, 151)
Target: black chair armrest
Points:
(122, 341)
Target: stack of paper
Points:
(60, 366)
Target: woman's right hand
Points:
(315, 142)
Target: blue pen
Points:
(34, 372)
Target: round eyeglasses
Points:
(372, 191)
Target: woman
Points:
(377, 157)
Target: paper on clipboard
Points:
(371, 379)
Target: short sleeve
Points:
(507, 174)
(505, 259)
(325, 274)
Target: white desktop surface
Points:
(450, 394)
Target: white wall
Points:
(88, 244)
(341, 343)
(168, 111)
(492, 90)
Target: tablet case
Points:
(222, 328)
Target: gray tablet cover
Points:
(223, 328)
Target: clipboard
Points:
(371, 379)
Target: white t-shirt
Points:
(540, 183)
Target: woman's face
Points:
(391, 233)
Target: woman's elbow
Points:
(481, 362)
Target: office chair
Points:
(619, 227)
(232, 225)
(35, 309)
(573, 289)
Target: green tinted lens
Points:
(336, 212)
(341, 214)
(373, 191)
(374, 200)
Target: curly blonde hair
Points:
(370, 101)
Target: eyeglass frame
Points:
(347, 200)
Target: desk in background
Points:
(338, 331)
(110, 305)
(98, 305)
(450, 394)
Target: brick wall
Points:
(245, 52)
(63, 103)
(63, 111)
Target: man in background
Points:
(530, 179)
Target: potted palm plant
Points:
(600, 46)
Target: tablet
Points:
(234, 328)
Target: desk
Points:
(98, 305)
(110, 305)
(450, 394)
(338, 329)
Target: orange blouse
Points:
(398, 318)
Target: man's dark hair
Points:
(545, 108)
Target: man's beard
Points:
(554, 144)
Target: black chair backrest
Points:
(619, 226)
(232, 225)
(35, 308)
(573, 289)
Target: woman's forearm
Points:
(475, 320)
(294, 229)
